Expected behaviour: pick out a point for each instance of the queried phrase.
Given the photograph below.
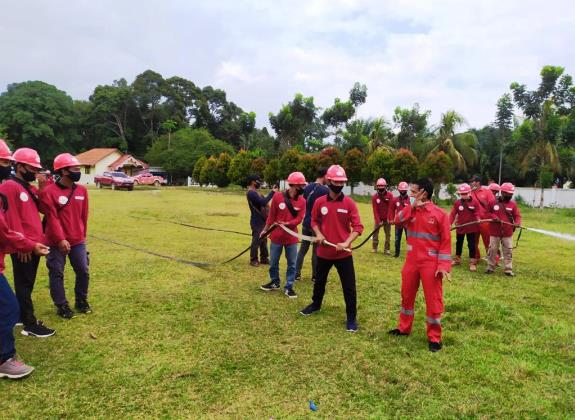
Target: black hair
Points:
(253, 177)
(427, 185)
(321, 172)
(476, 178)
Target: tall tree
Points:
(294, 121)
(38, 115)
(148, 89)
(503, 122)
(411, 125)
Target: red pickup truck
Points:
(147, 178)
(116, 180)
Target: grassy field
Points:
(170, 340)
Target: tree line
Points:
(198, 132)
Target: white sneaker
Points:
(14, 369)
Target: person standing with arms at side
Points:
(335, 218)
(465, 211)
(65, 206)
(484, 198)
(381, 202)
(506, 217)
(396, 206)
(311, 192)
(259, 213)
(287, 208)
(428, 261)
(22, 216)
(10, 366)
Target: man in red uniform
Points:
(335, 218)
(287, 208)
(484, 198)
(10, 241)
(381, 202)
(65, 205)
(465, 211)
(397, 205)
(495, 189)
(506, 217)
(428, 260)
(22, 216)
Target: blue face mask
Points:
(412, 200)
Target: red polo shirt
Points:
(465, 211)
(279, 212)
(336, 219)
(11, 241)
(507, 212)
(22, 215)
(66, 213)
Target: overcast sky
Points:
(451, 54)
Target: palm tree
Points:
(378, 134)
(461, 148)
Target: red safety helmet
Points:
(5, 152)
(296, 178)
(508, 187)
(494, 187)
(336, 173)
(65, 160)
(464, 189)
(27, 156)
(381, 183)
(403, 186)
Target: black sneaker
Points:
(352, 326)
(64, 311)
(38, 330)
(270, 286)
(433, 347)
(83, 306)
(509, 274)
(396, 331)
(489, 271)
(290, 293)
(396, 255)
(298, 277)
(308, 310)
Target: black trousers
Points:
(346, 273)
(470, 243)
(257, 244)
(24, 279)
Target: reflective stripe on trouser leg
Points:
(507, 243)
(409, 286)
(433, 291)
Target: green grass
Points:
(170, 340)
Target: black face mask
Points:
(381, 190)
(335, 188)
(403, 193)
(298, 192)
(506, 198)
(28, 176)
(74, 176)
(5, 172)
(257, 184)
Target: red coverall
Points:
(485, 198)
(428, 250)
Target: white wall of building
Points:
(98, 169)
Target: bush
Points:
(240, 168)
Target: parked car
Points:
(147, 178)
(116, 180)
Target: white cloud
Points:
(443, 54)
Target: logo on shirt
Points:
(378, 201)
(62, 199)
(23, 196)
(460, 208)
(397, 204)
(324, 210)
(282, 206)
(496, 207)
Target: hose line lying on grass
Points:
(154, 219)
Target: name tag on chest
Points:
(79, 197)
(342, 211)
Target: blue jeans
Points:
(398, 231)
(275, 254)
(9, 314)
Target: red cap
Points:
(403, 186)
(508, 187)
(5, 152)
(27, 156)
(381, 183)
(296, 178)
(464, 189)
(65, 160)
(336, 173)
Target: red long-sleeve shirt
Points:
(484, 198)
(381, 204)
(279, 212)
(336, 219)
(397, 205)
(66, 213)
(465, 211)
(22, 215)
(428, 236)
(507, 212)
(11, 241)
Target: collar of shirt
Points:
(338, 198)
